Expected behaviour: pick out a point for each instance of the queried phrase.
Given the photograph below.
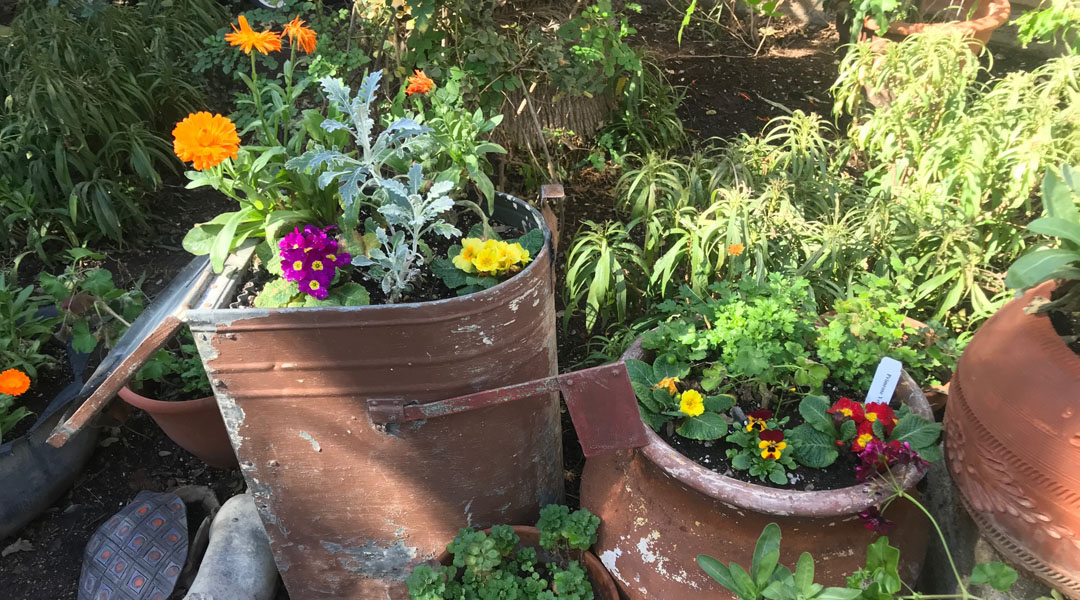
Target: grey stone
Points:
(238, 564)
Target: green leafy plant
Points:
(871, 323)
(700, 416)
(24, 331)
(761, 449)
(605, 268)
(175, 371)
(90, 89)
(93, 310)
(1061, 195)
(493, 567)
(1053, 22)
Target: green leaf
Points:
(777, 474)
(200, 238)
(1056, 227)
(98, 282)
(813, 448)
(350, 294)
(1058, 196)
(814, 410)
(834, 593)
(997, 575)
(706, 426)
(277, 294)
(669, 365)
(1038, 266)
(533, 241)
(880, 555)
(741, 461)
(452, 276)
(81, 339)
(720, 573)
(917, 431)
(804, 573)
(719, 403)
(848, 429)
(766, 555)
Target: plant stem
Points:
(948, 553)
(257, 96)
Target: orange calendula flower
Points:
(735, 249)
(205, 140)
(14, 382)
(668, 383)
(300, 35)
(419, 83)
(247, 38)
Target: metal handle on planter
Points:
(601, 401)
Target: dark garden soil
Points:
(1066, 323)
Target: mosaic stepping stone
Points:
(139, 552)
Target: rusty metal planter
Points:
(659, 510)
(351, 506)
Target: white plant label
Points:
(885, 379)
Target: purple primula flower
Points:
(878, 456)
(311, 259)
(874, 521)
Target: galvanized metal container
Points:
(351, 506)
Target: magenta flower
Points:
(878, 456)
(311, 258)
(875, 521)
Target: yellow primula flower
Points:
(486, 260)
(691, 403)
(668, 383)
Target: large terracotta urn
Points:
(660, 509)
(1012, 430)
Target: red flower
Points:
(757, 419)
(771, 435)
(877, 411)
(863, 436)
(846, 407)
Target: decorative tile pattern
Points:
(139, 552)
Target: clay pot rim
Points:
(480, 298)
(593, 565)
(996, 16)
(759, 498)
(151, 405)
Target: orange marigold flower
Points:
(303, 37)
(14, 382)
(735, 249)
(205, 140)
(247, 38)
(419, 83)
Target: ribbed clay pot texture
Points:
(1013, 440)
(352, 505)
(659, 510)
(602, 584)
(195, 425)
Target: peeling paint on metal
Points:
(314, 444)
(609, 557)
(373, 561)
(468, 513)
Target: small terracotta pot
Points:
(603, 585)
(988, 16)
(1013, 441)
(195, 426)
(659, 510)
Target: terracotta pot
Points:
(601, 581)
(988, 16)
(351, 505)
(195, 426)
(1013, 441)
(659, 510)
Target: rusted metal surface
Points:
(1013, 441)
(601, 402)
(602, 584)
(155, 326)
(659, 510)
(349, 505)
